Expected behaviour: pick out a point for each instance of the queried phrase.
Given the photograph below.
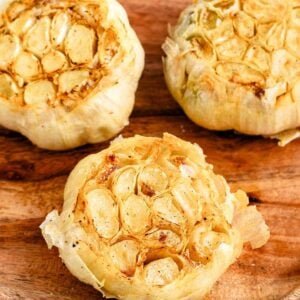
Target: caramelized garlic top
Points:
(159, 211)
(252, 44)
(54, 51)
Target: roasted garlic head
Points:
(147, 218)
(68, 70)
(234, 64)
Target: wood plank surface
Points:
(32, 182)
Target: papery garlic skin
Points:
(68, 70)
(235, 65)
(136, 225)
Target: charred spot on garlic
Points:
(146, 226)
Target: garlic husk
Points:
(286, 137)
(147, 218)
(68, 99)
(229, 70)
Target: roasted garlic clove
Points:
(234, 48)
(124, 256)
(39, 92)
(202, 47)
(8, 88)
(124, 183)
(59, 28)
(15, 9)
(73, 80)
(37, 39)
(186, 198)
(54, 61)
(135, 215)
(244, 25)
(104, 212)
(89, 12)
(258, 58)
(164, 207)
(22, 24)
(27, 66)
(80, 44)
(161, 272)
(152, 180)
(9, 49)
(203, 244)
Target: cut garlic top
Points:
(68, 70)
(224, 58)
(135, 226)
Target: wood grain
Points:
(32, 182)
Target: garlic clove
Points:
(161, 272)
(39, 92)
(104, 212)
(8, 88)
(27, 66)
(80, 44)
(135, 215)
(9, 49)
(73, 80)
(37, 39)
(54, 61)
(59, 28)
(124, 256)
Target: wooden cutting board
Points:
(32, 182)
